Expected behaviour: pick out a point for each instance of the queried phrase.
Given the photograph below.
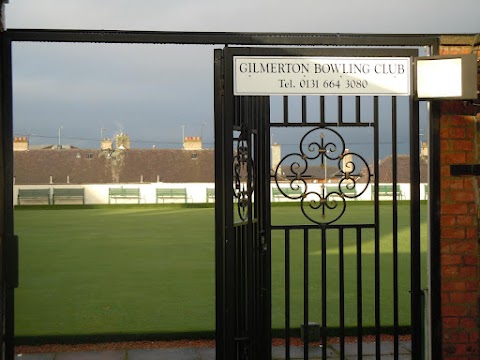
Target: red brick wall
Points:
(460, 211)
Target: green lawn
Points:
(150, 270)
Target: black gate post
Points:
(8, 246)
(219, 208)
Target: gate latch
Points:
(263, 242)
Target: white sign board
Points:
(442, 77)
(321, 75)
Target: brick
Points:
(444, 145)
(465, 220)
(445, 171)
(460, 209)
(463, 196)
(453, 232)
(469, 182)
(457, 133)
(450, 322)
(456, 337)
(445, 298)
(469, 297)
(445, 247)
(444, 133)
(471, 232)
(453, 286)
(474, 336)
(453, 158)
(468, 323)
(471, 260)
(453, 184)
(452, 310)
(470, 157)
(472, 209)
(458, 120)
(449, 220)
(450, 271)
(465, 145)
(468, 272)
(463, 247)
(471, 285)
(449, 259)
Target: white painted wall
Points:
(196, 192)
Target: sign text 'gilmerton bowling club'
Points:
(321, 76)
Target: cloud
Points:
(367, 16)
(151, 90)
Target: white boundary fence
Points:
(196, 193)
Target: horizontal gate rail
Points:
(316, 227)
(213, 38)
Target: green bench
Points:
(68, 193)
(33, 194)
(210, 194)
(175, 194)
(123, 193)
(351, 193)
(279, 194)
(387, 190)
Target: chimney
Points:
(348, 165)
(192, 143)
(276, 156)
(424, 151)
(122, 141)
(20, 143)
(106, 144)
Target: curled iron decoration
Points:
(243, 173)
(320, 202)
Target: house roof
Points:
(403, 170)
(83, 166)
(102, 167)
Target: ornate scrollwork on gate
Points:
(243, 172)
(321, 202)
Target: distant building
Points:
(20, 143)
(192, 143)
(403, 170)
(192, 164)
(106, 165)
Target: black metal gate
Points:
(249, 235)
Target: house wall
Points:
(459, 230)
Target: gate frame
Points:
(430, 42)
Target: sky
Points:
(76, 93)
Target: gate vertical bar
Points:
(304, 109)
(7, 237)
(219, 205)
(287, 294)
(305, 295)
(416, 309)
(251, 235)
(377, 231)
(395, 229)
(359, 295)
(324, 292)
(285, 110)
(341, 262)
(266, 267)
